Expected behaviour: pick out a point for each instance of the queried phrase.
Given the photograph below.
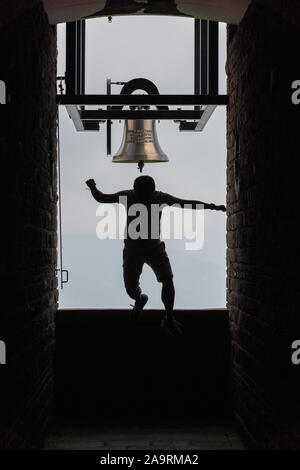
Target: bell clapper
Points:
(141, 165)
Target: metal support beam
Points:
(206, 70)
(204, 100)
(80, 54)
(73, 112)
(142, 100)
(75, 57)
(70, 58)
(205, 117)
(196, 58)
(204, 57)
(213, 58)
(127, 114)
(108, 122)
(187, 126)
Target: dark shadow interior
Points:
(232, 364)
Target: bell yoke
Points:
(140, 143)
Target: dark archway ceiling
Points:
(230, 11)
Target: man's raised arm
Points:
(101, 197)
(170, 200)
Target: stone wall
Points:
(29, 201)
(110, 370)
(262, 227)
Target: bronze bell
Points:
(140, 144)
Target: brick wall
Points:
(262, 230)
(28, 252)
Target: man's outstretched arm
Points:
(101, 197)
(170, 200)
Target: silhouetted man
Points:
(147, 248)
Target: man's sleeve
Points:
(107, 198)
(170, 200)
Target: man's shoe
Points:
(138, 307)
(172, 326)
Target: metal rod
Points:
(197, 58)
(150, 100)
(213, 60)
(75, 57)
(78, 58)
(204, 58)
(59, 203)
(82, 56)
(70, 57)
(108, 122)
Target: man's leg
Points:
(168, 295)
(132, 269)
(160, 263)
(133, 291)
(169, 323)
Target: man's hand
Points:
(217, 208)
(91, 183)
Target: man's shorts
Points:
(155, 256)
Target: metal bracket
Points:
(73, 112)
(2, 92)
(62, 280)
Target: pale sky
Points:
(160, 49)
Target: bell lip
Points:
(140, 160)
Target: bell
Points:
(139, 143)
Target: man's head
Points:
(144, 185)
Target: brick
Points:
(29, 285)
(262, 225)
